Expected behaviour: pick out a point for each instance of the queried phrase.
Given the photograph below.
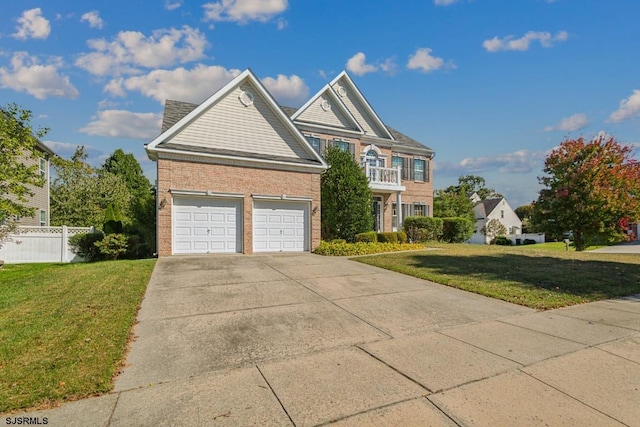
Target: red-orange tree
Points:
(588, 187)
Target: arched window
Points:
(373, 159)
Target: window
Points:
(396, 162)
(418, 170)
(43, 218)
(420, 209)
(314, 141)
(43, 168)
(343, 145)
(394, 215)
(502, 214)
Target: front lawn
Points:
(64, 328)
(534, 277)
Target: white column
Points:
(399, 209)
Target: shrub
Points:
(388, 237)
(422, 228)
(456, 229)
(338, 241)
(528, 242)
(402, 237)
(84, 245)
(362, 248)
(112, 246)
(369, 236)
(137, 247)
(503, 241)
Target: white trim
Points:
(205, 193)
(332, 94)
(306, 125)
(246, 75)
(363, 100)
(366, 149)
(173, 154)
(281, 197)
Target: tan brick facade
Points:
(415, 191)
(192, 176)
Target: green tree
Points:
(18, 175)
(525, 213)
(451, 203)
(346, 198)
(469, 184)
(81, 193)
(142, 207)
(588, 188)
(494, 228)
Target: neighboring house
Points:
(487, 210)
(239, 173)
(40, 199)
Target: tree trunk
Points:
(578, 241)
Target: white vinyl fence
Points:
(41, 244)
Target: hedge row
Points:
(386, 237)
(341, 248)
(451, 230)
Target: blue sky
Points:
(490, 85)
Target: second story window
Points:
(419, 170)
(43, 168)
(396, 161)
(343, 145)
(314, 141)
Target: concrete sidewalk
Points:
(306, 340)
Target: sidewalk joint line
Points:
(275, 395)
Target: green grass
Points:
(537, 276)
(64, 328)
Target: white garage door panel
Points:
(280, 226)
(206, 225)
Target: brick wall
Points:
(186, 175)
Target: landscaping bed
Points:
(64, 329)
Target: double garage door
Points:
(214, 225)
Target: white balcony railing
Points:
(387, 177)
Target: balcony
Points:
(385, 180)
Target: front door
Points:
(377, 214)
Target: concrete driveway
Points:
(307, 340)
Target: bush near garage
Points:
(369, 237)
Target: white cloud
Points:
(629, 108)
(243, 11)
(569, 124)
(32, 25)
(444, 2)
(357, 64)
(124, 124)
(132, 49)
(172, 5)
(181, 84)
(281, 24)
(200, 82)
(519, 162)
(93, 18)
(42, 81)
(288, 90)
(545, 38)
(423, 61)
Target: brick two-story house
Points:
(239, 173)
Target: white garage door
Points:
(280, 226)
(206, 225)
